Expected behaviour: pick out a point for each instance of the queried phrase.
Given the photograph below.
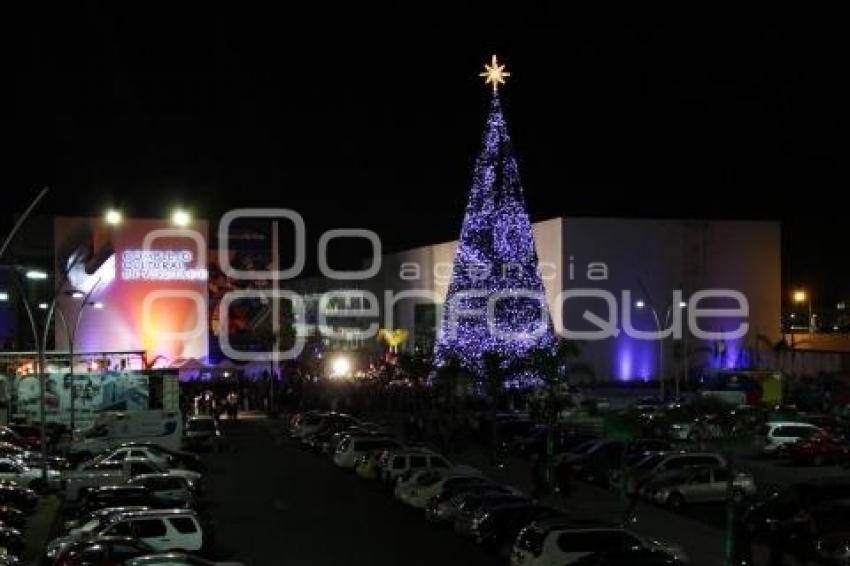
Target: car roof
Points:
(117, 488)
(175, 512)
(790, 423)
(157, 475)
(572, 523)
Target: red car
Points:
(819, 449)
(25, 436)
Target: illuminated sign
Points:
(160, 265)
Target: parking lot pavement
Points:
(275, 504)
(41, 527)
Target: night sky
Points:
(373, 119)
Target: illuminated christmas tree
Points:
(496, 257)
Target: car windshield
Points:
(648, 462)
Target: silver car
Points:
(697, 485)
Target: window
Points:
(418, 461)
(92, 554)
(138, 454)
(7, 468)
(172, 483)
(184, 525)
(149, 528)
(721, 475)
(701, 476)
(437, 462)
(398, 462)
(121, 529)
(118, 456)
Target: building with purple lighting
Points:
(639, 264)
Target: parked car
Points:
(87, 522)
(316, 422)
(12, 540)
(115, 472)
(819, 449)
(432, 483)
(678, 488)
(102, 551)
(175, 559)
(668, 462)
(22, 498)
(162, 529)
(178, 458)
(591, 461)
(463, 506)
(30, 435)
(561, 541)
(394, 463)
(202, 433)
(25, 442)
(773, 438)
(697, 429)
(497, 528)
(30, 477)
(636, 556)
(444, 506)
(533, 444)
(12, 517)
(117, 496)
(170, 490)
(352, 447)
(319, 439)
(765, 517)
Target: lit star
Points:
(494, 74)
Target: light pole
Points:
(801, 296)
(71, 333)
(641, 304)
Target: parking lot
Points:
(276, 504)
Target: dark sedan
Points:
(103, 551)
(498, 528)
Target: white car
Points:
(12, 470)
(432, 483)
(562, 541)
(172, 490)
(163, 529)
(394, 463)
(352, 448)
(175, 559)
(774, 437)
(121, 454)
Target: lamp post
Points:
(801, 296)
(641, 304)
(71, 333)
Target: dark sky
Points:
(373, 119)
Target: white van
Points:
(163, 529)
(774, 437)
(352, 447)
(110, 429)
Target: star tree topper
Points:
(494, 74)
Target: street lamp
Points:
(800, 296)
(113, 217)
(641, 304)
(181, 218)
(71, 328)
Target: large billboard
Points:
(140, 285)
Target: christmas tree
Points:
(496, 258)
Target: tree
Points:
(495, 265)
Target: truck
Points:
(100, 472)
(109, 429)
